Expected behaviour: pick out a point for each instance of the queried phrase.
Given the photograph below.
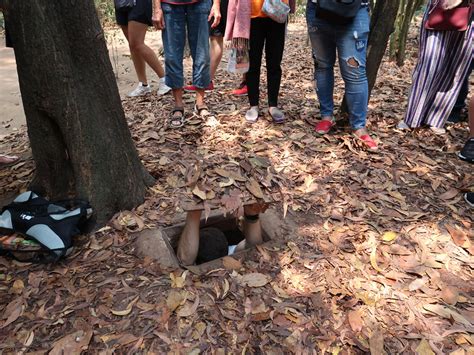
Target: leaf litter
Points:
(381, 260)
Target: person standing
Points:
(134, 21)
(349, 37)
(443, 62)
(173, 17)
(269, 34)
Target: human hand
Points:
(158, 19)
(255, 209)
(216, 14)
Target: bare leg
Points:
(136, 38)
(199, 97)
(138, 61)
(188, 245)
(217, 47)
(178, 97)
(252, 228)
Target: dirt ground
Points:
(13, 117)
(378, 257)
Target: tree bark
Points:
(382, 24)
(79, 137)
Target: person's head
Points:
(212, 245)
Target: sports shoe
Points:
(467, 152)
(140, 90)
(162, 87)
(278, 116)
(437, 130)
(241, 91)
(324, 126)
(192, 88)
(252, 115)
(469, 197)
(402, 125)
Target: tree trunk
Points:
(410, 10)
(79, 137)
(382, 24)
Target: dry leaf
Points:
(376, 342)
(424, 348)
(460, 238)
(174, 299)
(449, 194)
(189, 309)
(199, 193)
(373, 259)
(355, 320)
(230, 263)
(74, 343)
(255, 279)
(447, 313)
(13, 311)
(450, 295)
(254, 187)
(417, 284)
(127, 310)
(389, 236)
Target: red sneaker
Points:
(324, 126)
(192, 88)
(369, 142)
(241, 91)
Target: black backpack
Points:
(44, 230)
(341, 12)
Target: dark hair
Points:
(212, 245)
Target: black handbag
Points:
(338, 11)
(124, 4)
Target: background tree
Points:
(406, 11)
(79, 137)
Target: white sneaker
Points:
(402, 125)
(140, 90)
(162, 87)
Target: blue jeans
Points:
(177, 18)
(351, 44)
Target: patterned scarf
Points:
(237, 32)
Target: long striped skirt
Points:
(443, 62)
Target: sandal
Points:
(176, 119)
(368, 141)
(202, 111)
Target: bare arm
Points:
(188, 245)
(215, 13)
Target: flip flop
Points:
(176, 119)
(368, 141)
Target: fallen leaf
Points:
(127, 310)
(446, 312)
(460, 238)
(450, 295)
(355, 320)
(189, 309)
(389, 236)
(424, 348)
(254, 187)
(449, 194)
(255, 279)
(230, 263)
(74, 343)
(373, 259)
(376, 342)
(199, 193)
(417, 284)
(13, 311)
(174, 299)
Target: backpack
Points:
(341, 12)
(44, 230)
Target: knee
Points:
(353, 70)
(136, 46)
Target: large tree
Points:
(79, 137)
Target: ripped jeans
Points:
(351, 44)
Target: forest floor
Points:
(380, 258)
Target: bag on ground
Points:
(42, 229)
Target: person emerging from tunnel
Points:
(349, 37)
(203, 245)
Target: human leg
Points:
(188, 244)
(352, 50)
(467, 152)
(257, 42)
(274, 46)
(323, 43)
(217, 48)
